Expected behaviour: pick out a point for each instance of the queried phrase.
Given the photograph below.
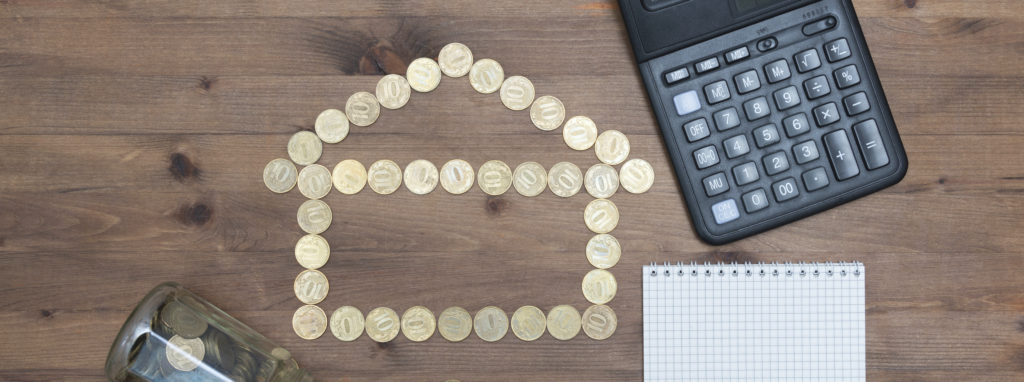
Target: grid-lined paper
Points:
(745, 322)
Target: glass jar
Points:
(174, 335)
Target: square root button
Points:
(725, 211)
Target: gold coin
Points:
(603, 251)
(384, 177)
(418, 324)
(528, 323)
(314, 181)
(280, 175)
(490, 323)
(486, 76)
(517, 93)
(311, 286)
(331, 126)
(547, 113)
(601, 215)
(530, 179)
(563, 322)
(382, 324)
(494, 177)
(454, 324)
(423, 74)
(349, 177)
(599, 322)
(612, 147)
(362, 109)
(347, 323)
(601, 181)
(579, 133)
(457, 176)
(314, 216)
(599, 286)
(420, 177)
(455, 60)
(312, 251)
(637, 176)
(185, 354)
(305, 148)
(393, 91)
(565, 179)
(309, 322)
(182, 320)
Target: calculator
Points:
(771, 110)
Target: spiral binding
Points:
(761, 269)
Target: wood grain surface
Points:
(133, 135)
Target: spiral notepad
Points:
(743, 322)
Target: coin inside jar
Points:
(393, 91)
(490, 324)
(382, 324)
(312, 251)
(362, 109)
(563, 322)
(601, 216)
(182, 320)
(494, 177)
(454, 324)
(528, 323)
(347, 323)
(486, 76)
(636, 176)
(455, 60)
(599, 322)
(305, 148)
(612, 147)
(530, 179)
(309, 322)
(314, 181)
(349, 177)
(384, 177)
(601, 181)
(314, 216)
(311, 286)
(420, 177)
(565, 179)
(418, 324)
(547, 113)
(599, 286)
(603, 251)
(185, 354)
(331, 126)
(280, 175)
(457, 176)
(517, 93)
(423, 74)
(579, 133)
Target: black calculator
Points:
(771, 109)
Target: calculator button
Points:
(785, 189)
(870, 143)
(756, 108)
(754, 201)
(776, 163)
(815, 179)
(837, 50)
(856, 104)
(725, 211)
(747, 82)
(777, 71)
(817, 87)
(787, 98)
(717, 92)
(707, 65)
(819, 26)
(767, 44)
(826, 114)
(737, 54)
(716, 184)
(847, 76)
(706, 157)
(677, 75)
(687, 102)
(745, 174)
(837, 144)
(766, 135)
(796, 125)
(807, 60)
(727, 119)
(736, 146)
(697, 130)
(805, 152)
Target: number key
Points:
(776, 163)
(745, 173)
(727, 119)
(796, 125)
(736, 146)
(756, 108)
(697, 130)
(766, 135)
(787, 98)
(785, 189)
(805, 152)
(706, 157)
(754, 201)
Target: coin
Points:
(424, 74)
(563, 322)
(418, 324)
(314, 216)
(601, 215)
(455, 60)
(599, 322)
(309, 322)
(311, 286)
(530, 179)
(636, 176)
(547, 113)
(565, 179)
(312, 251)
(494, 177)
(612, 147)
(603, 251)
(601, 181)
(457, 176)
(219, 350)
(281, 353)
(486, 76)
(517, 93)
(454, 324)
(347, 323)
(579, 133)
(331, 126)
(420, 177)
(362, 109)
(528, 323)
(393, 91)
(314, 181)
(305, 148)
(280, 175)
(349, 177)
(490, 323)
(599, 286)
(382, 324)
(182, 320)
(185, 354)
(384, 177)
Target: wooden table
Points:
(133, 135)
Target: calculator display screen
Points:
(744, 6)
